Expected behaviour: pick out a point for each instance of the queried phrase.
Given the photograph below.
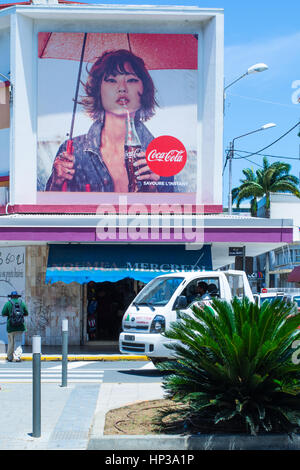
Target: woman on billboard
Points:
(111, 156)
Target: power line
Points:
(261, 150)
(265, 155)
(261, 100)
(275, 141)
(251, 161)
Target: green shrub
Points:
(234, 368)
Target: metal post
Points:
(231, 152)
(267, 270)
(244, 258)
(36, 386)
(64, 376)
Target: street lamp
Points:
(253, 69)
(230, 156)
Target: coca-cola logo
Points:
(133, 152)
(166, 155)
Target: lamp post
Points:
(253, 69)
(230, 157)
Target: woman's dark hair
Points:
(112, 63)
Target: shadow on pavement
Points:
(144, 373)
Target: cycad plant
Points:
(234, 368)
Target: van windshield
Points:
(158, 292)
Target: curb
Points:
(78, 357)
(195, 442)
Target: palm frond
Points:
(234, 365)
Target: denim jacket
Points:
(89, 165)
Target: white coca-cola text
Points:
(170, 156)
(133, 152)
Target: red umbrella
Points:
(294, 276)
(159, 51)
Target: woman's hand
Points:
(143, 173)
(63, 168)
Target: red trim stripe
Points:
(92, 209)
(7, 5)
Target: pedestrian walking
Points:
(15, 310)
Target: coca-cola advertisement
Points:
(117, 115)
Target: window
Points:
(212, 288)
(236, 283)
(158, 292)
(296, 257)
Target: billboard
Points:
(117, 114)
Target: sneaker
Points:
(17, 360)
(9, 360)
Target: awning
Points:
(294, 276)
(281, 271)
(99, 263)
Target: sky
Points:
(258, 31)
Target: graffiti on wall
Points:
(12, 278)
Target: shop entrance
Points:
(106, 304)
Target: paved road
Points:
(82, 372)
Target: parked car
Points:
(268, 297)
(293, 298)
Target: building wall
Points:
(4, 108)
(283, 205)
(49, 304)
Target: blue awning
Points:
(99, 263)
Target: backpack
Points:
(16, 317)
(91, 324)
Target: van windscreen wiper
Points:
(149, 304)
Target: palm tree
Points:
(270, 179)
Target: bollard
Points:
(36, 386)
(64, 369)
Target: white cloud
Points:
(281, 54)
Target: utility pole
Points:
(267, 270)
(230, 157)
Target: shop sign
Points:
(236, 251)
(255, 276)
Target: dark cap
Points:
(14, 293)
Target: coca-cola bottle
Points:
(132, 150)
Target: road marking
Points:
(74, 365)
(148, 366)
(25, 376)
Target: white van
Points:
(156, 306)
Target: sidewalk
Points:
(72, 417)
